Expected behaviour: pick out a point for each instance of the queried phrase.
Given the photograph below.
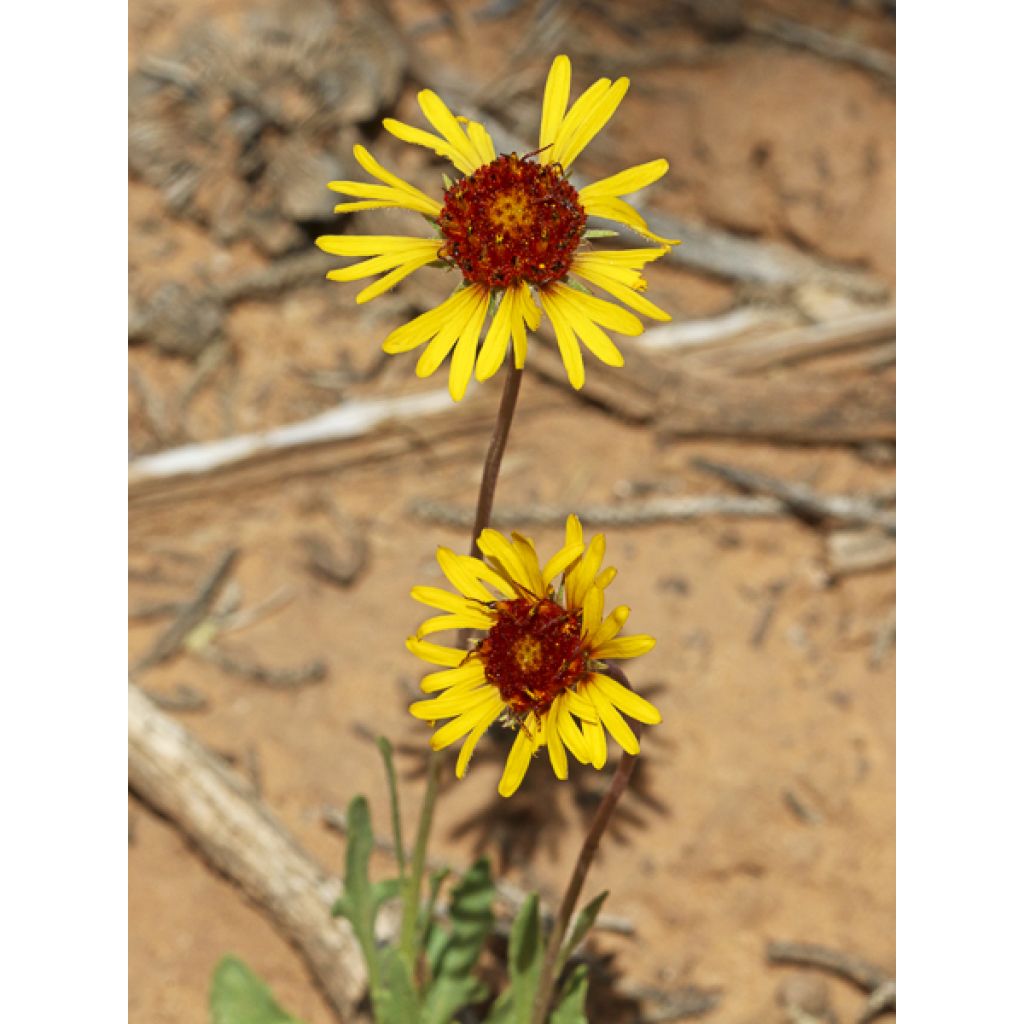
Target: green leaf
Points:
(433, 938)
(393, 995)
(572, 1003)
(584, 922)
(360, 900)
(237, 996)
(525, 952)
(501, 1011)
(472, 921)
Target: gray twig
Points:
(191, 614)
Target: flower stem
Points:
(492, 463)
(414, 880)
(552, 955)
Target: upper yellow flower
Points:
(515, 229)
(540, 664)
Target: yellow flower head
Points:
(515, 229)
(539, 667)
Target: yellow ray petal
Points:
(627, 259)
(495, 346)
(553, 301)
(434, 682)
(380, 264)
(369, 245)
(458, 727)
(435, 597)
(556, 749)
(459, 620)
(569, 731)
(593, 609)
(625, 647)
(593, 733)
(523, 748)
(465, 349)
(452, 703)
(625, 699)
(371, 166)
(482, 142)
(613, 721)
(390, 280)
(579, 306)
(560, 561)
(580, 578)
(444, 121)
(461, 575)
(625, 294)
(418, 137)
(556, 98)
(528, 556)
(435, 654)
(503, 554)
(593, 122)
(611, 626)
(471, 741)
(622, 213)
(574, 118)
(625, 182)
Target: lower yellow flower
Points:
(539, 667)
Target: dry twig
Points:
(182, 780)
(191, 614)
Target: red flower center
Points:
(512, 220)
(532, 653)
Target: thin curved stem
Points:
(492, 462)
(553, 953)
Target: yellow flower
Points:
(515, 229)
(539, 667)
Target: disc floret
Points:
(512, 221)
(532, 653)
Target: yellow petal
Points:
(368, 245)
(502, 553)
(482, 142)
(625, 182)
(622, 213)
(435, 597)
(390, 280)
(379, 264)
(580, 578)
(371, 166)
(593, 609)
(528, 557)
(444, 121)
(560, 561)
(465, 350)
(625, 647)
(613, 721)
(461, 574)
(574, 118)
(435, 654)
(568, 347)
(626, 295)
(556, 98)
(611, 626)
(471, 741)
(447, 335)
(593, 733)
(625, 699)
(452, 703)
(460, 620)
(458, 727)
(593, 122)
(579, 306)
(556, 749)
(569, 731)
(472, 671)
(518, 758)
(495, 346)
(418, 137)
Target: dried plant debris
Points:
(242, 124)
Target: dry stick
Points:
(191, 614)
(180, 778)
(865, 975)
(546, 984)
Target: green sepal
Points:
(599, 233)
(238, 996)
(447, 181)
(571, 1006)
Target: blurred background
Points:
(289, 483)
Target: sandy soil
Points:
(766, 804)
